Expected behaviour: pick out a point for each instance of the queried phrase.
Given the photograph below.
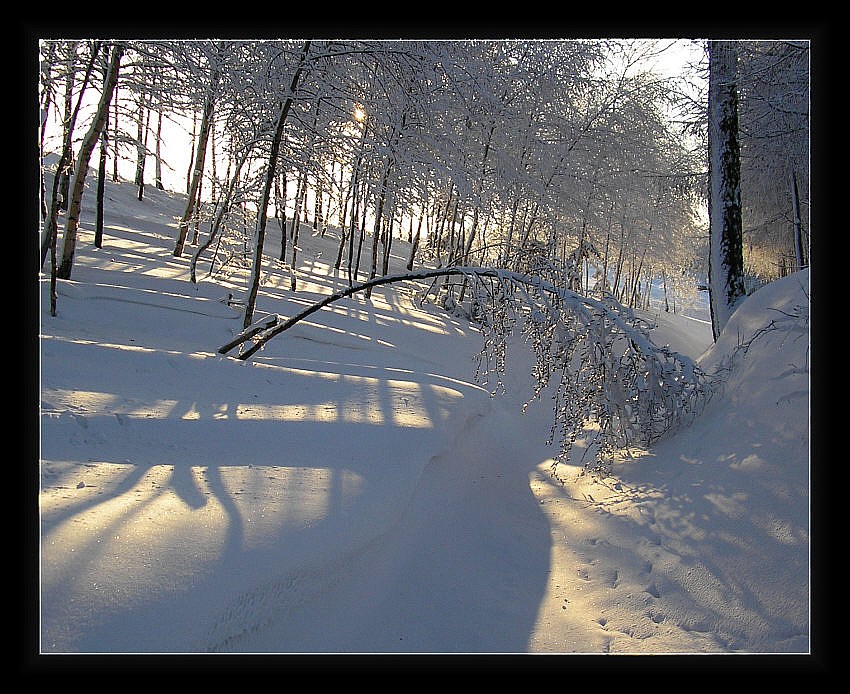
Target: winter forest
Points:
(577, 197)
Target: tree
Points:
(726, 262)
(59, 199)
(206, 124)
(101, 169)
(65, 171)
(259, 237)
(773, 79)
(86, 148)
(223, 207)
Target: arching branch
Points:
(614, 388)
(280, 327)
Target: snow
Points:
(353, 489)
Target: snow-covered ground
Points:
(353, 489)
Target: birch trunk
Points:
(725, 263)
(86, 148)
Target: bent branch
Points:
(611, 372)
(473, 272)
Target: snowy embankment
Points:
(352, 488)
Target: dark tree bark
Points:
(101, 186)
(726, 259)
(267, 187)
(158, 174)
(280, 210)
(799, 248)
(415, 243)
(115, 137)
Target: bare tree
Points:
(206, 124)
(86, 148)
(774, 135)
(254, 282)
(49, 233)
(101, 169)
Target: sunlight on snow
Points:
(168, 537)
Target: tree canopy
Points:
(488, 148)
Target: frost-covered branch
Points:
(613, 388)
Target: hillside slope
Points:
(352, 488)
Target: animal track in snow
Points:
(653, 590)
(254, 611)
(656, 616)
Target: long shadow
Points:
(466, 581)
(393, 513)
(370, 474)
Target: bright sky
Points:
(176, 131)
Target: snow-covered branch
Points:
(615, 389)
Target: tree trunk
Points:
(358, 219)
(213, 177)
(86, 148)
(355, 216)
(224, 205)
(144, 154)
(280, 210)
(140, 148)
(798, 225)
(295, 224)
(191, 154)
(196, 216)
(388, 246)
(101, 189)
(48, 239)
(726, 263)
(142, 135)
(415, 243)
(43, 117)
(158, 158)
(67, 128)
(101, 171)
(198, 169)
(343, 199)
(382, 197)
(351, 194)
(115, 139)
(267, 186)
